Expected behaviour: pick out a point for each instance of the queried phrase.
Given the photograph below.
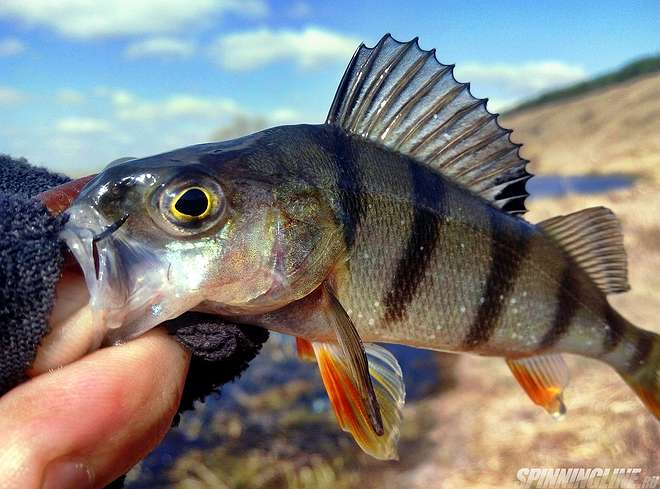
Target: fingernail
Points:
(68, 474)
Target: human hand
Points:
(88, 422)
(84, 416)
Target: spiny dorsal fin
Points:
(401, 97)
(593, 238)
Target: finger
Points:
(72, 333)
(100, 415)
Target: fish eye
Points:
(188, 205)
(192, 203)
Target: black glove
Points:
(31, 257)
(30, 264)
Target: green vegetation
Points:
(643, 66)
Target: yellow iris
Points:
(192, 204)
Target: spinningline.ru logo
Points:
(591, 478)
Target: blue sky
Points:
(83, 83)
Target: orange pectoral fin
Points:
(543, 378)
(305, 350)
(348, 405)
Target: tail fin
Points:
(641, 371)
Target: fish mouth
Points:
(127, 280)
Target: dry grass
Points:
(486, 429)
(615, 130)
(220, 469)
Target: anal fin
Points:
(350, 410)
(543, 378)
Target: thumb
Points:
(89, 422)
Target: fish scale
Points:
(449, 295)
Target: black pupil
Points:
(193, 202)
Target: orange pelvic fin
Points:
(305, 350)
(348, 404)
(544, 378)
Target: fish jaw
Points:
(128, 282)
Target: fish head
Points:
(159, 236)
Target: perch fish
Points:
(398, 220)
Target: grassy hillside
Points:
(643, 66)
(610, 130)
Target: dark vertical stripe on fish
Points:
(348, 180)
(615, 329)
(428, 196)
(565, 309)
(508, 252)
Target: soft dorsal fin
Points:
(593, 238)
(401, 97)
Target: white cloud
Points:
(118, 96)
(285, 116)
(160, 47)
(69, 96)
(240, 125)
(129, 124)
(82, 125)
(180, 106)
(89, 18)
(180, 114)
(185, 108)
(10, 96)
(11, 46)
(521, 79)
(310, 47)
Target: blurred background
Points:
(83, 83)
